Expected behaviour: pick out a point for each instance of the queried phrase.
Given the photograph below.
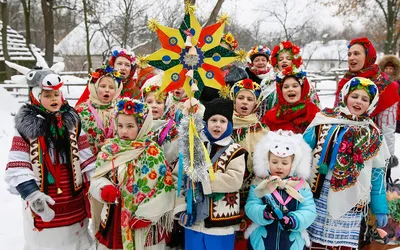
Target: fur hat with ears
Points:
(282, 144)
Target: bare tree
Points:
(85, 14)
(47, 8)
(388, 10)
(214, 13)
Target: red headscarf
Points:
(291, 116)
(371, 71)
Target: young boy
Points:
(281, 205)
(218, 215)
(48, 165)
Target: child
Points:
(48, 165)
(348, 170)
(218, 215)
(134, 184)
(281, 205)
(294, 110)
(257, 59)
(247, 131)
(97, 113)
(175, 104)
(165, 131)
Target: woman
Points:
(361, 60)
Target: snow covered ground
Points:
(11, 231)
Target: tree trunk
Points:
(4, 19)
(26, 5)
(213, 16)
(47, 8)
(89, 56)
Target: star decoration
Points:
(191, 56)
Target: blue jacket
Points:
(304, 215)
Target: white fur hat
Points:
(283, 143)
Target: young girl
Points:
(218, 215)
(133, 183)
(247, 131)
(48, 164)
(285, 56)
(294, 110)
(280, 202)
(348, 169)
(257, 59)
(97, 113)
(175, 104)
(165, 131)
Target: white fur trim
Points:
(306, 237)
(253, 226)
(301, 166)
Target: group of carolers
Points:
(286, 173)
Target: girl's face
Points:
(280, 166)
(245, 102)
(178, 93)
(123, 65)
(157, 106)
(51, 100)
(260, 62)
(217, 125)
(356, 57)
(358, 102)
(291, 90)
(389, 70)
(127, 127)
(284, 60)
(106, 89)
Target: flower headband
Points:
(229, 39)
(124, 53)
(133, 107)
(105, 70)
(364, 84)
(246, 84)
(300, 75)
(289, 47)
(258, 51)
(159, 95)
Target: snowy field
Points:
(11, 231)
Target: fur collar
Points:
(32, 123)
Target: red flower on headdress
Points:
(287, 70)
(248, 84)
(128, 108)
(287, 44)
(295, 50)
(362, 40)
(95, 74)
(275, 50)
(297, 62)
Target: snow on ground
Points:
(11, 231)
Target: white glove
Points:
(38, 203)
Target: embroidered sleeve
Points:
(231, 179)
(386, 121)
(19, 168)
(86, 156)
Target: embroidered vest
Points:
(225, 211)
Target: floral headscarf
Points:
(138, 109)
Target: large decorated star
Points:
(191, 56)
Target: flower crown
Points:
(289, 47)
(290, 71)
(365, 84)
(133, 107)
(258, 50)
(124, 53)
(159, 95)
(229, 39)
(245, 84)
(105, 70)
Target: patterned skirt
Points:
(327, 231)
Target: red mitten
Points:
(137, 223)
(109, 193)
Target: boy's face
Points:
(157, 106)
(127, 127)
(51, 100)
(245, 102)
(106, 90)
(217, 125)
(280, 166)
